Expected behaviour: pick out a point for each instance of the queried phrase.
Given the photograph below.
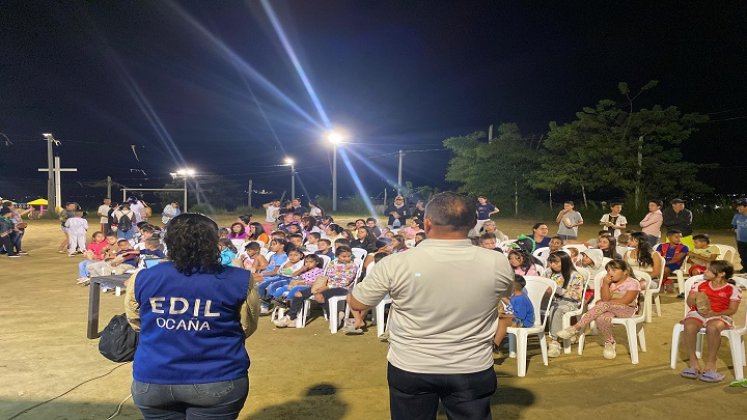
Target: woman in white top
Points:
(641, 257)
(315, 210)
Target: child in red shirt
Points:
(711, 302)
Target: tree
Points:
(613, 146)
(497, 168)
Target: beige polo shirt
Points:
(445, 296)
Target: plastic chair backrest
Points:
(540, 270)
(542, 253)
(326, 260)
(536, 291)
(605, 260)
(640, 275)
(726, 252)
(661, 275)
(741, 282)
(359, 254)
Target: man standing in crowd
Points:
(739, 223)
(444, 294)
(485, 209)
(170, 211)
(398, 213)
(568, 221)
(651, 224)
(679, 218)
(6, 229)
(103, 213)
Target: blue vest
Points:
(190, 328)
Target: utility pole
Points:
(57, 184)
(334, 178)
(109, 187)
(639, 173)
(50, 172)
(399, 171)
(250, 193)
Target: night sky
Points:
(209, 84)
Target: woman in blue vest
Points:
(193, 316)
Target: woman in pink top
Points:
(619, 299)
(651, 224)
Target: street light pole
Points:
(399, 172)
(185, 194)
(184, 173)
(334, 177)
(293, 180)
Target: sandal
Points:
(742, 383)
(711, 376)
(690, 373)
(350, 329)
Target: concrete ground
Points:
(309, 373)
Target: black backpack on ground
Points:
(118, 341)
(125, 223)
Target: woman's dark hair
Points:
(235, 235)
(611, 251)
(318, 263)
(537, 225)
(566, 265)
(401, 240)
(526, 263)
(342, 248)
(258, 230)
(246, 218)
(643, 249)
(192, 241)
(226, 243)
(308, 223)
(335, 228)
(347, 234)
(380, 256)
(369, 242)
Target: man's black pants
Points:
(414, 396)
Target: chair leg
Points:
(332, 310)
(648, 307)
(680, 281)
(380, 322)
(632, 343)
(737, 356)
(521, 354)
(676, 331)
(581, 342)
(699, 345)
(657, 301)
(642, 339)
(512, 345)
(543, 346)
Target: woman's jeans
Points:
(216, 400)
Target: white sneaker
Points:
(609, 351)
(264, 309)
(567, 333)
(553, 349)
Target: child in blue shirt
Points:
(519, 312)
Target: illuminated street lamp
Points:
(184, 173)
(336, 138)
(292, 163)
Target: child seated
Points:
(152, 249)
(673, 251)
(518, 313)
(414, 228)
(556, 243)
(701, 254)
(252, 259)
(227, 252)
(125, 259)
(325, 248)
(312, 241)
(712, 303)
(94, 253)
(522, 263)
(419, 237)
(568, 295)
(312, 269)
(290, 268)
(618, 299)
(488, 241)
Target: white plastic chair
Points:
(359, 255)
(735, 335)
(727, 252)
(542, 254)
(536, 288)
(541, 271)
(654, 295)
(631, 324)
(568, 315)
(326, 259)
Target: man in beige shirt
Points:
(445, 295)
